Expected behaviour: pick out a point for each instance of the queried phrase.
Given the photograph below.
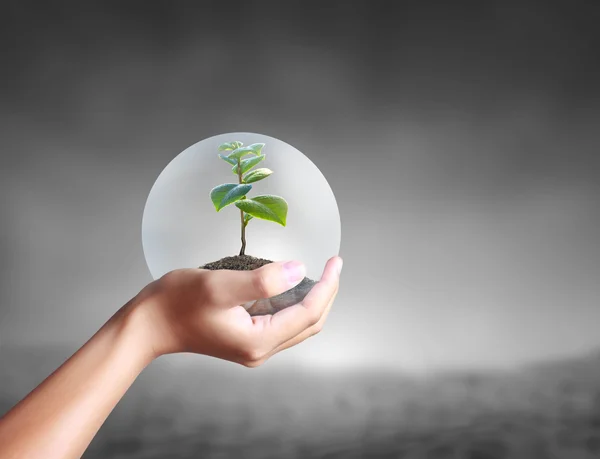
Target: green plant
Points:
(266, 206)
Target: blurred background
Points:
(461, 142)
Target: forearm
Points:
(61, 416)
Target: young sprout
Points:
(265, 206)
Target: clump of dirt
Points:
(237, 263)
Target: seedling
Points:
(265, 206)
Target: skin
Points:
(187, 310)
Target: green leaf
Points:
(248, 164)
(247, 218)
(228, 193)
(229, 160)
(256, 148)
(237, 144)
(240, 152)
(227, 146)
(265, 207)
(256, 175)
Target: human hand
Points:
(199, 311)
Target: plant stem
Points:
(243, 249)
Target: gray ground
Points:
(219, 411)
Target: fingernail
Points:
(294, 271)
(340, 266)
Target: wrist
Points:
(135, 328)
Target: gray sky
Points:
(461, 146)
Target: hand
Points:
(187, 310)
(199, 311)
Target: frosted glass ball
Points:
(182, 229)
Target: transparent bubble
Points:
(182, 229)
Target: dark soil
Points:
(237, 263)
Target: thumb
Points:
(238, 287)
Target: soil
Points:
(267, 305)
(237, 263)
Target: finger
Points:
(304, 335)
(290, 322)
(231, 288)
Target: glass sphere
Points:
(182, 229)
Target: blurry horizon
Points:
(184, 410)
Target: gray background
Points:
(461, 142)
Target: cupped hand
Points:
(199, 311)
